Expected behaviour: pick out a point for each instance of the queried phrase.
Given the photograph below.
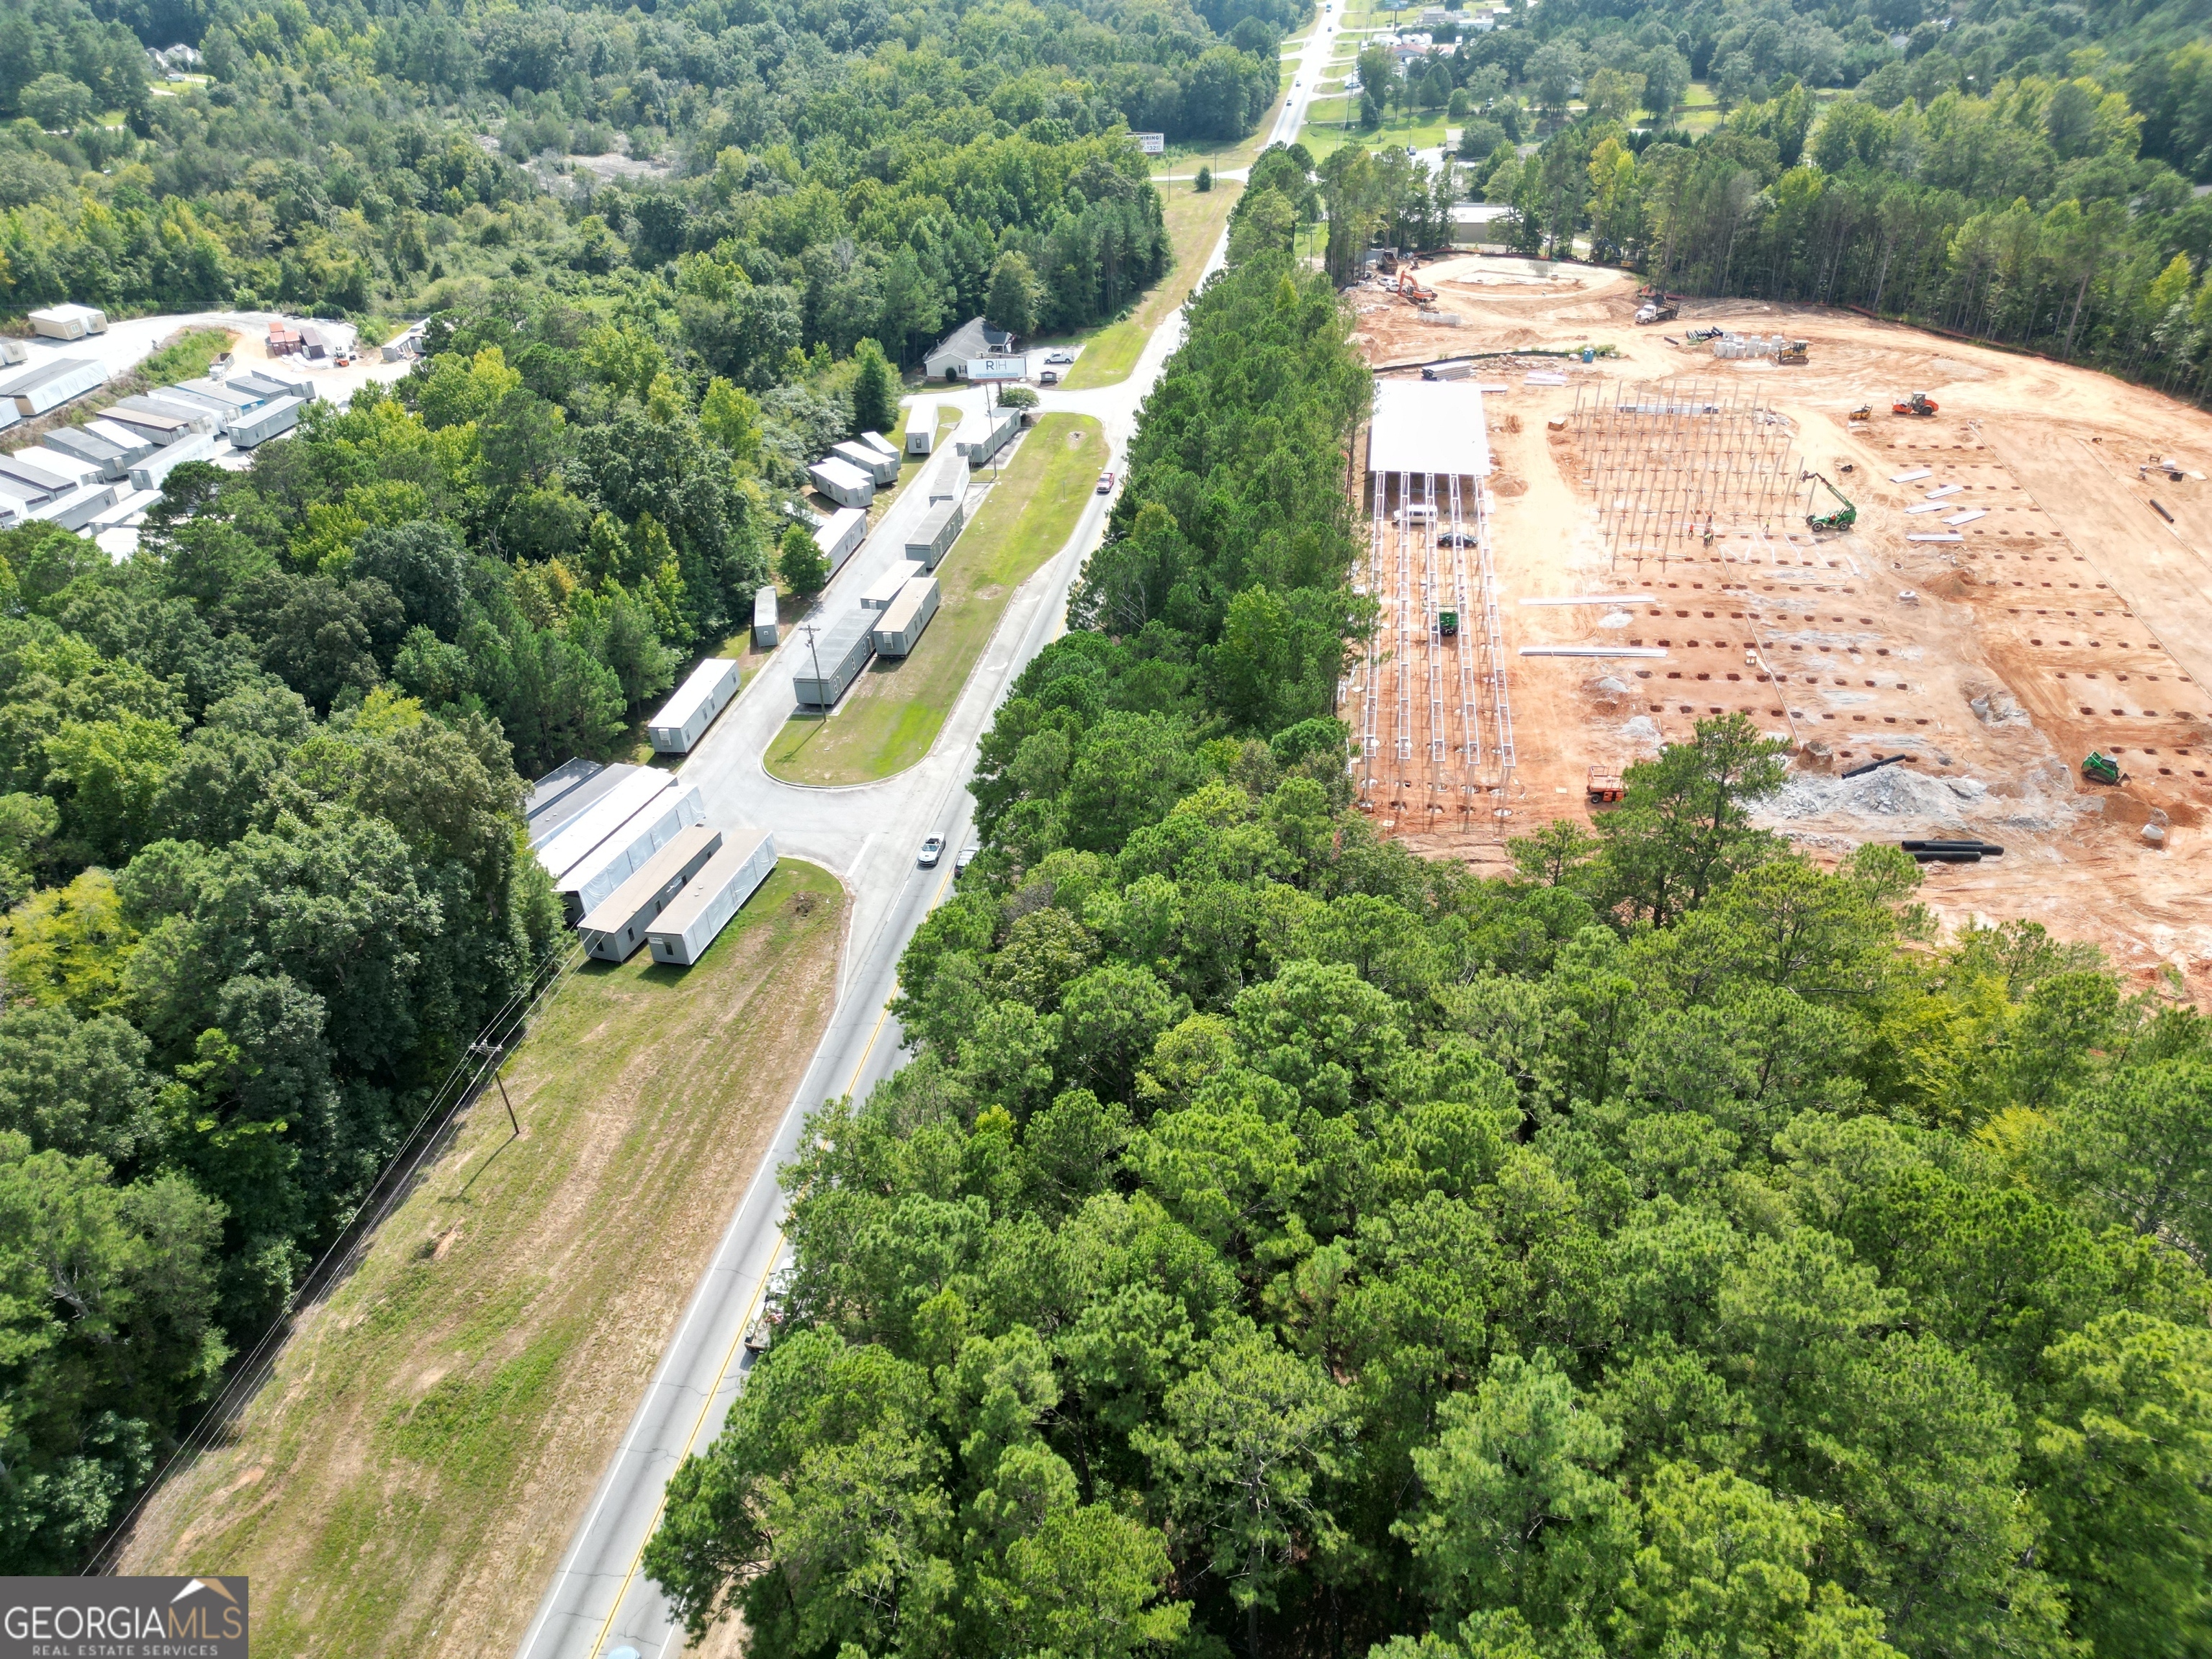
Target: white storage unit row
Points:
(51, 385)
(840, 536)
(572, 843)
(617, 926)
(68, 322)
(929, 540)
(881, 469)
(921, 429)
(842, 481)
(684, 717)
(645, 832)
(908, 615)
(765, 618)
(881, 591)
(259, 425)
(698, 914)
(825, 665)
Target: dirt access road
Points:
(2070, 614)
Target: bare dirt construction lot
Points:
(407, 1479)
(2052, 607)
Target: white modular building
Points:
(616, 924)
(572, 842)
(881, 469)
(883, 446)
(829, 662)
(765, 617)
(842, 481)
(1002, 433)
(227, 406)
(697, 915)
(880, 593)
(52, 384)
(645, 832)
(921, 429)
(113, 459)
(840, 536)
(68, 322)
(271, 420)
(47, 481)
(929, 541)
(78, 508)
(904, 618)
(684, 717)
(154, 470)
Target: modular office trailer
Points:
(881, 469)
(831, 659)
(645, 832)
(558, 784)
(548, 820)
(572, 843)
(840, 536)
(765, 617)
(932, 538)
(885, 589)
(882, 446)
(684, 717)
(1002, 433)
(921, 429)
(258, 426)
(906, 617)
(68, 322)
(704, 907)
(617, 927)
(842, 481)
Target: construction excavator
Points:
(1842, 518)
(1410, 290)
(1918, 404)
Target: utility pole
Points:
(485, 1051)
(814, 654)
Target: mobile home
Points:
(881, 469)
(617, 926)
(921, 429)
(645, 832)
(271, 420)
(68, 322)
(698, 914)
(880, 593)
(906, 617)
(929, 540)
(842, 481)
(765, 616)
(825, 664)
(840, 536)
(51, 385)
(684, 718)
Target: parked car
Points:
(933, 848)
(1060, 357)
(1105, 483)
(967, 857)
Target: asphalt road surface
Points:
(600, 1602)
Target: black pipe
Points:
(1874, 766)
(1959, 857)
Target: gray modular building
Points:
(158, 426)
(921, 429)
(929, 540)
(881, 591)
(270, 382)
(76, 509)
(698, 914)
(840, 536)
(1003, 429)
(271, 420)
(226, 404)
(113, 459)
(842, 481)
(617, 925)
(905, 617)
(881, 469)
(572, 842)
(24, 470)
(558, 785)
(547, 819)
(825, 665)
(765, 616)
(645, 832)
(684, 717)
(149, 473)
(50, 386)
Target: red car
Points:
(1105, 483)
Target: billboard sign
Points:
(1150, 143)
(998, 368)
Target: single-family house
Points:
(972, 339)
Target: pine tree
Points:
(875, 390)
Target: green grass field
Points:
(1194, 220)
(408, 1478)
(893, 713)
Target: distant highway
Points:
(600, 1602)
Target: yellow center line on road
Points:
(744, 1325)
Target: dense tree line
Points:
(1278, 1244)
(349, 162)
(256, 915)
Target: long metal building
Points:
(684, 718)
(617, 926)
(645, 832)
(698, 914)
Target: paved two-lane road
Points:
(599, 1602)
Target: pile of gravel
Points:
(1894, 792)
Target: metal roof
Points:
(1429, 426)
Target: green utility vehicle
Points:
(1842, 518)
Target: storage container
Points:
(697, 915)
(614, 930)
(684, 717)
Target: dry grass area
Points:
(405, 1482)
(2071, 616)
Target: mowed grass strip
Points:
(1194, 220)
(407, 1480)
(897, 707)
